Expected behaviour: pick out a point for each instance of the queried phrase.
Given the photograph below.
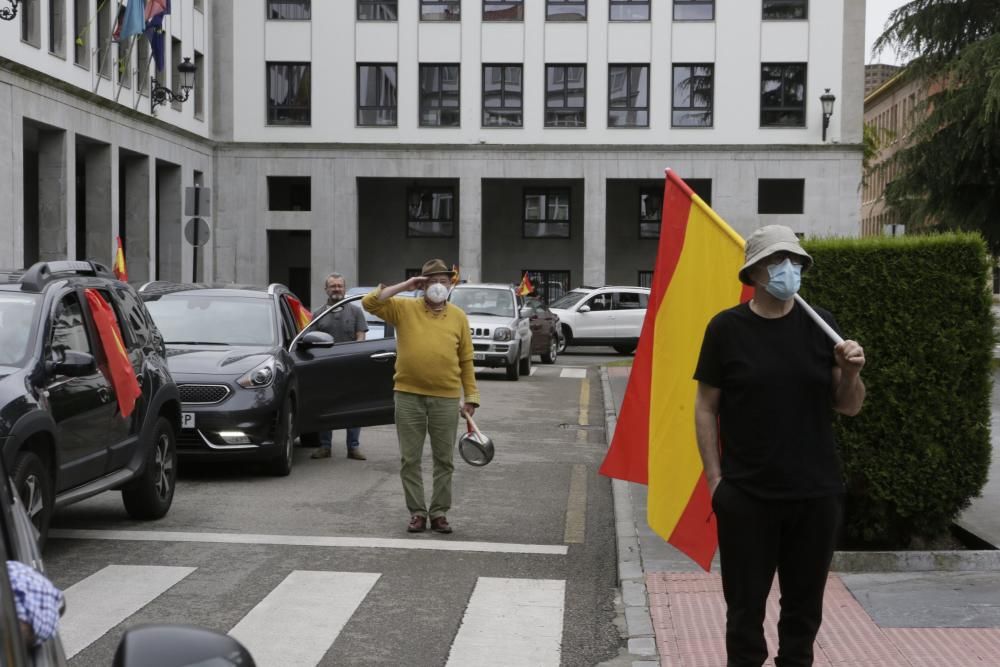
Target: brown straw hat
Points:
(768, 240)
(435, 266)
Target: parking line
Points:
(511, 622)
(109, 596)
(576, 506)
(415, 543)
(300, 619)
(533, 370)
(573, 373)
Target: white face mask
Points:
(436, 293)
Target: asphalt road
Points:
(317, 568)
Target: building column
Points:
(137, 217)
(594, 224)
(470, 227)
(56, 169)
(98, 201)
(335, 239)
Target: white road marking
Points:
(109, 596)
(511, 622)
(534, 369)
(573, 373)
(300, 619)
(311, 541)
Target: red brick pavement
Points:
(689, 618)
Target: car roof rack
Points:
(42, 273)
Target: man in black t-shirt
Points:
(769, 381)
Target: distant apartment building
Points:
(877, 74)
(368, 135)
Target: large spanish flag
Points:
(695, 277)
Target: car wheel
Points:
(526, 364)
(514, 369)
(550, 355)
(624, 349)
(281, 465)
(566, 337)
(34, 486)
(149, 495)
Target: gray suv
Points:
(501, 333)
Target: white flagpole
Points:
(827, 329)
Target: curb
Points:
(915, 561)
(631, 579)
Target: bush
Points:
(920, 449)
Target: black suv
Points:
(251, 378)
(62, 434)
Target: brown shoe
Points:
(355, 453)
(321, 453)
(440, 525)
(418, 524)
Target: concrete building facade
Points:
(364, 136)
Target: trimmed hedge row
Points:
(920, 449)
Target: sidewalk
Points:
(905, 609)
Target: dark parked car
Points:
(250, 381)
(546, 334)
(61, 428)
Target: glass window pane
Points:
(563, 10)
(373, 10)
(639, 86)
(630, 11)
(295, 10)
(694, 11)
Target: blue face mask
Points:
(786, 278)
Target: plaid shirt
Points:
(36, 600)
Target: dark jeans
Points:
(353, 438)
(757, 537)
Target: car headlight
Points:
(258, 377)
(502, 333)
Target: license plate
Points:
(187, 420)
(478, 356)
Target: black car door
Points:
(348, 384)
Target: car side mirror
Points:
(584, 309)
(74, 364)
(177, 645)
(316, 339)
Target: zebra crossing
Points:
(506, 621)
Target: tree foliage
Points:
(949, 170)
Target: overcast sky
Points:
(877, 12)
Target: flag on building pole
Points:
(455, 274)
(525, 288)
(119, 369)
(119, 266)
(299, 312)
(155, 11)
(156, 8)
(695, 277)
(134, 22)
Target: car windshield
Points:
(17, 317)
(484, 301)
(195, 319)
(568, 300)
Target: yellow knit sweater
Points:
(433, 350)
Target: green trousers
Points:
(416, 417)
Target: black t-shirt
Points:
(776, 405)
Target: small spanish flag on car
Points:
(118, 368)
(299, 312)
(119, 267)
(525, 288)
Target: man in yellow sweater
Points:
(433, 371)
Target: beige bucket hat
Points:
(768, 240)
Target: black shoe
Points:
(418, 524)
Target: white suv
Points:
(602, 316)
(501, 333)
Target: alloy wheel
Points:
(164, 466)
(31, 494)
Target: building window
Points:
(565, 96)
(565, 10)
(781, 195)
(783, 95)
(199, 6)
(693, 95)
(646, 279)
(651, 205)
(694, 10)
(503, 10)
(57, 28)
(289, 193)
(81, 28)
(430, 212)
(376, 95)
(175, 75)
(289, 10)
(103, 21)
(629, 10)
(377, 10)
(142, 61)
(628, 96)
(502, 96)
(440, 10)
(549, 285)
(776, 10)
(547, 214)
(123, 66)
(440, 101)
(199, 86)
(289, 94)
(30, 29)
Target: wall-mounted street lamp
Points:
(827, 99)
(8, 13)
(161, 94)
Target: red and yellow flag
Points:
(119, 369)
(455, 274)
(525, 288)
(299, 312)
(119, 268)
(695, 277)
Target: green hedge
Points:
(920, 449)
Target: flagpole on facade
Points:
(827, 329)
(139, 81)
(107, 48)
(128, 60)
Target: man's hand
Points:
(850, 357)
(469, 408)
(713, 484)
(415, 283)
